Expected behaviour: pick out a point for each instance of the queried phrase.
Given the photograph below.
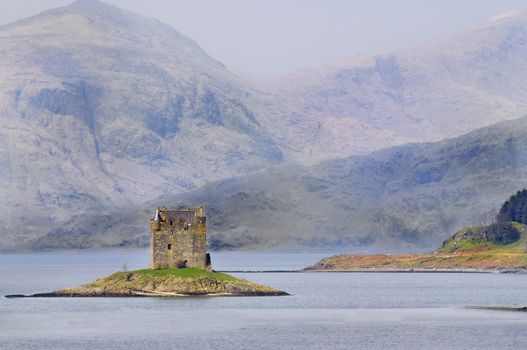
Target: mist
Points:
(267, 38)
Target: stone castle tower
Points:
(178, 239)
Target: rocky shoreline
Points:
(162, 283)
(478, 249)
(139, 294)
(417, 270)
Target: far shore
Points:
(499, 308)
(368, 270)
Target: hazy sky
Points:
(268, 37)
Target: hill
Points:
(501, 247)
(404, 198)
(103, 110)
(443, 88)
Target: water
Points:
(325, 310)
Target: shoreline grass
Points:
(188, 272)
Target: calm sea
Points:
(324, 311)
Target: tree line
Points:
(514, 209)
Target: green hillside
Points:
(497, 247)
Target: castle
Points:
(178, 239)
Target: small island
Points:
(165, 283)
(180, 266)
(498, 247)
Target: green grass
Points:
(468, 239)
(465, 249)
(188, 272)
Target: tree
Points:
(487, 217)
(523, 215)
(514, 209)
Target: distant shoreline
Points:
(519, 271)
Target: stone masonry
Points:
(178, 239)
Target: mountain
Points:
(408, 197)
(102, 109)
(443, 88)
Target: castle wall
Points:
(172, 243)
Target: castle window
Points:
(169, 246)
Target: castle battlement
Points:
(178, 239)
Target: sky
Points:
(265, 38)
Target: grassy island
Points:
(497, 247)
(165, 283)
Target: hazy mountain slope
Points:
(472, 78)
(101, 108)
(408, 197)
(405, 197)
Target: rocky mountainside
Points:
(472, 78)
(409, 197)
(102, 110)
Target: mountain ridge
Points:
(103, 110)
(406, 197)
(92, 123)
(420, 94)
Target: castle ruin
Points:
(178, 239)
